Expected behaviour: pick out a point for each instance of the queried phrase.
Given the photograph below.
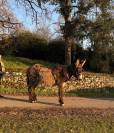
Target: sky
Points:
(20, 13)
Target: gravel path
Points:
(47, 102)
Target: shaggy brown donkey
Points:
(38, 74)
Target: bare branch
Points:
(8, 22)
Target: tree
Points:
(77, 15)
(8, 22)
(101, 36)
(43, 29)
(69, 9)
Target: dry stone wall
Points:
(90, 80)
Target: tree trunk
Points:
(66, 10)
(68, 51)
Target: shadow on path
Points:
(24, 100)
(13, 98)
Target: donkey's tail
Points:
(32, 74)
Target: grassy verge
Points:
(41, 91)
(18, 63)
(95, 92)
(23, 91)
(57, 121)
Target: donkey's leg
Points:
(34, 95)
(36, 82)
(32, 82)
(30, 94)
(60, 92)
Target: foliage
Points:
(6, 45)
(56, 51)
(83, 20)
(92, 20)
(32, 46)
(101, 36)
(28, 44)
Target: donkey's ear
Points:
(0, 56)
(83, 62)
(77, 62)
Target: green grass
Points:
(17, 63)
(41, 91)
(92, 92)
(57, 121)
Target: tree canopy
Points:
(91, 20)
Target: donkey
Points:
(58, 75)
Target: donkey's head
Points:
(79, 68)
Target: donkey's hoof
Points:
(62, 104)
(34, 101)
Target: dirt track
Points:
(47, 102)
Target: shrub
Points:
(56, 51)
(30, 45)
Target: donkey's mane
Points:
(71, 69)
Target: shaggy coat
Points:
(38, 74)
